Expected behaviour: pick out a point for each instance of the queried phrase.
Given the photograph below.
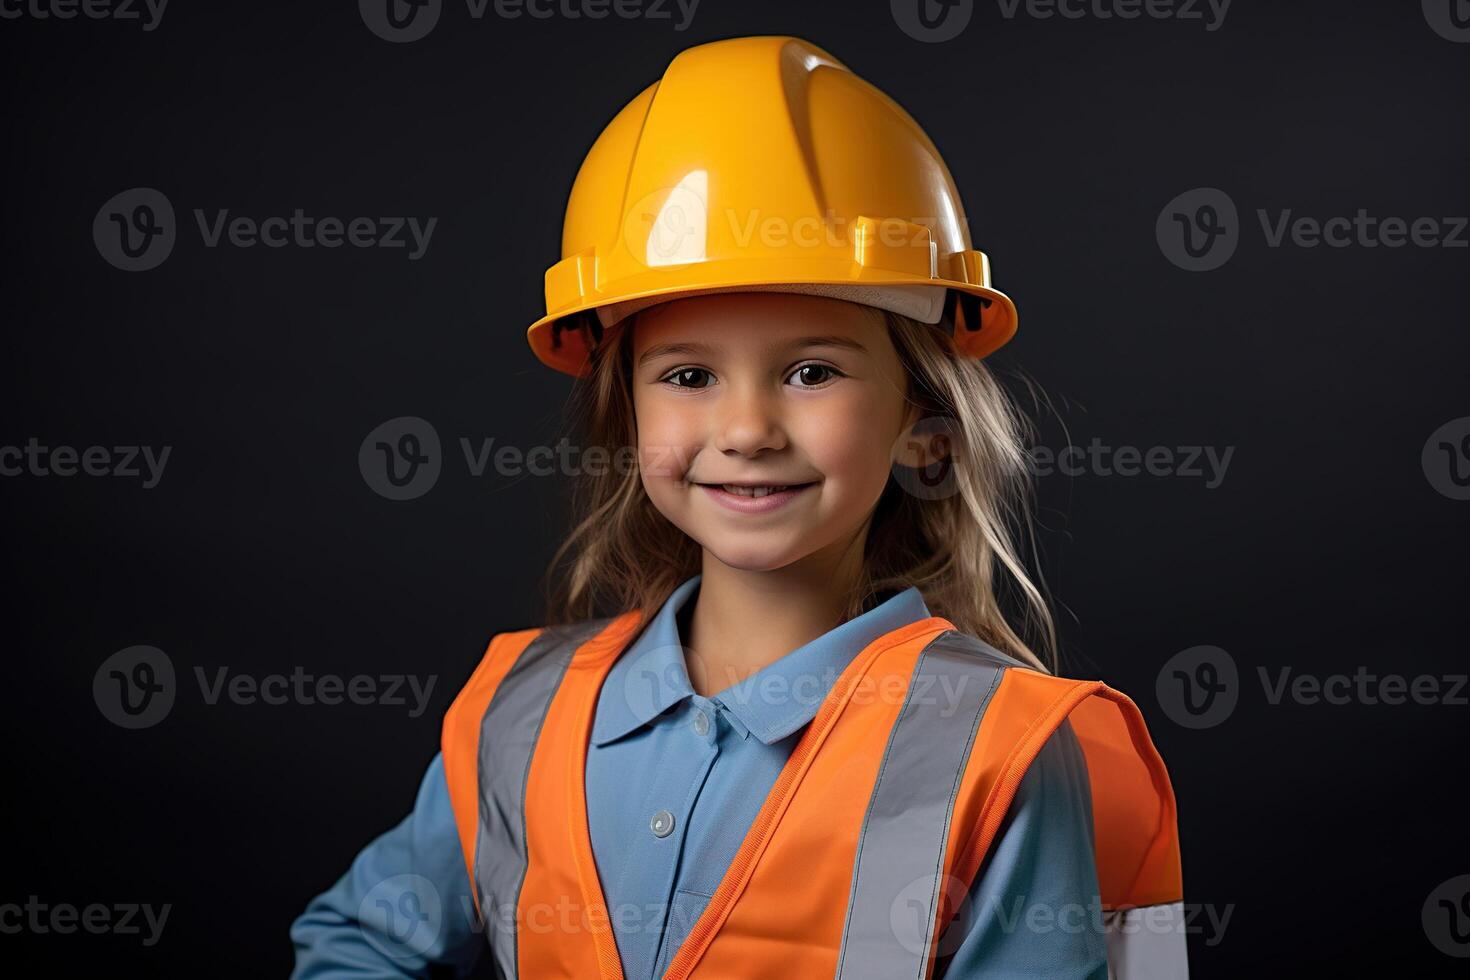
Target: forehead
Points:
(753, 321)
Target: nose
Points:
(749, 422)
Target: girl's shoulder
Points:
(957, 642)
(504, 649)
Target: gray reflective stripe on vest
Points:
(509, 731)
(900, 854)
(1147, 943)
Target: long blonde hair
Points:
(958, 547)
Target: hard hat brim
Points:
(564, 350)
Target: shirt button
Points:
(701, 723)
(662, 823)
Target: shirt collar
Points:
(651, 676)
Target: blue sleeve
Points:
(402, 907)
(1034, 910)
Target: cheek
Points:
(850, 443)
(666, 442)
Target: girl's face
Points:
(738, 393)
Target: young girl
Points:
(782, 726)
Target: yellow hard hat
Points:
(758, 164)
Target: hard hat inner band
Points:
(575, 324)
(969, 308)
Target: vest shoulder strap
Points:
(537, 658)
(459, 738)
(1134, 813)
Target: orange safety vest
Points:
(867, 842)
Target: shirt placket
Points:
(691, 748)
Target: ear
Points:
(911, 413)
(907, 448)
(926, 442)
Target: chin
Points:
(752, 562)
(753, 556)
(760, 553)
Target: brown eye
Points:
(689, 378)
(812, 375)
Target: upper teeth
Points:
(750, 491)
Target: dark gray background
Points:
(1326, 547)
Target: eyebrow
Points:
(663, 350)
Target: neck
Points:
(744, 620)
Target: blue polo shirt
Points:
(674, 780)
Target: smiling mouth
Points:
(755, 498)
(754, 490)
